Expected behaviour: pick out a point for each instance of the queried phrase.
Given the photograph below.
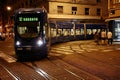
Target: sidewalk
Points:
(116, 42)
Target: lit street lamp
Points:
(8, 9)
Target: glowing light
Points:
(18, 43)
(8, 8)
(40, 42)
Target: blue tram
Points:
(33, 34)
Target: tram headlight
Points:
(39, 42)
(18, 43)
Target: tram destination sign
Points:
(26, 19)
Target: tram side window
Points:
(96, 30)
(71, 31)
(53, 32)
(60, 32)
(66, 32)
(80, 31)
(89, 31)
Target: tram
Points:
(33, 35)
(30, 33)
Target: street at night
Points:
(60, 40)
(76, 60)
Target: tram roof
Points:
(34, 10)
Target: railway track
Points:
(64, 67)
(38, 70)
(11, 74)
(71, 68)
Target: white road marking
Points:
(107, 50)
(7, 58)
(117, 48)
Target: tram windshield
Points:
(28, 29)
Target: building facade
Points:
(94, 11)
(114, 18)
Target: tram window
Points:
(66, 32)
(69, 31)
(72, 32)
(89, 31)
(94, 31)
(82, 31)
(53, 32)
(28, 30)
(60, 32)
(78, 31)
(98, 30)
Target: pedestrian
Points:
(97, 37)
(109, 36)
(103, 36)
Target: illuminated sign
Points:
(28, 19)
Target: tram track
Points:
(38, 70)
(83, 56)
(11, 73)
(67, 70)
(80, 75)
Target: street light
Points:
(8, 8)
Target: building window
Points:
(74, 10)
(98, 12)
(98, 1)
(60, 9)
(117, 1)
(86, 11)
(74, 1)
(112, 11)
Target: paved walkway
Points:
(84, 46)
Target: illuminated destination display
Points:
(28, 19)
